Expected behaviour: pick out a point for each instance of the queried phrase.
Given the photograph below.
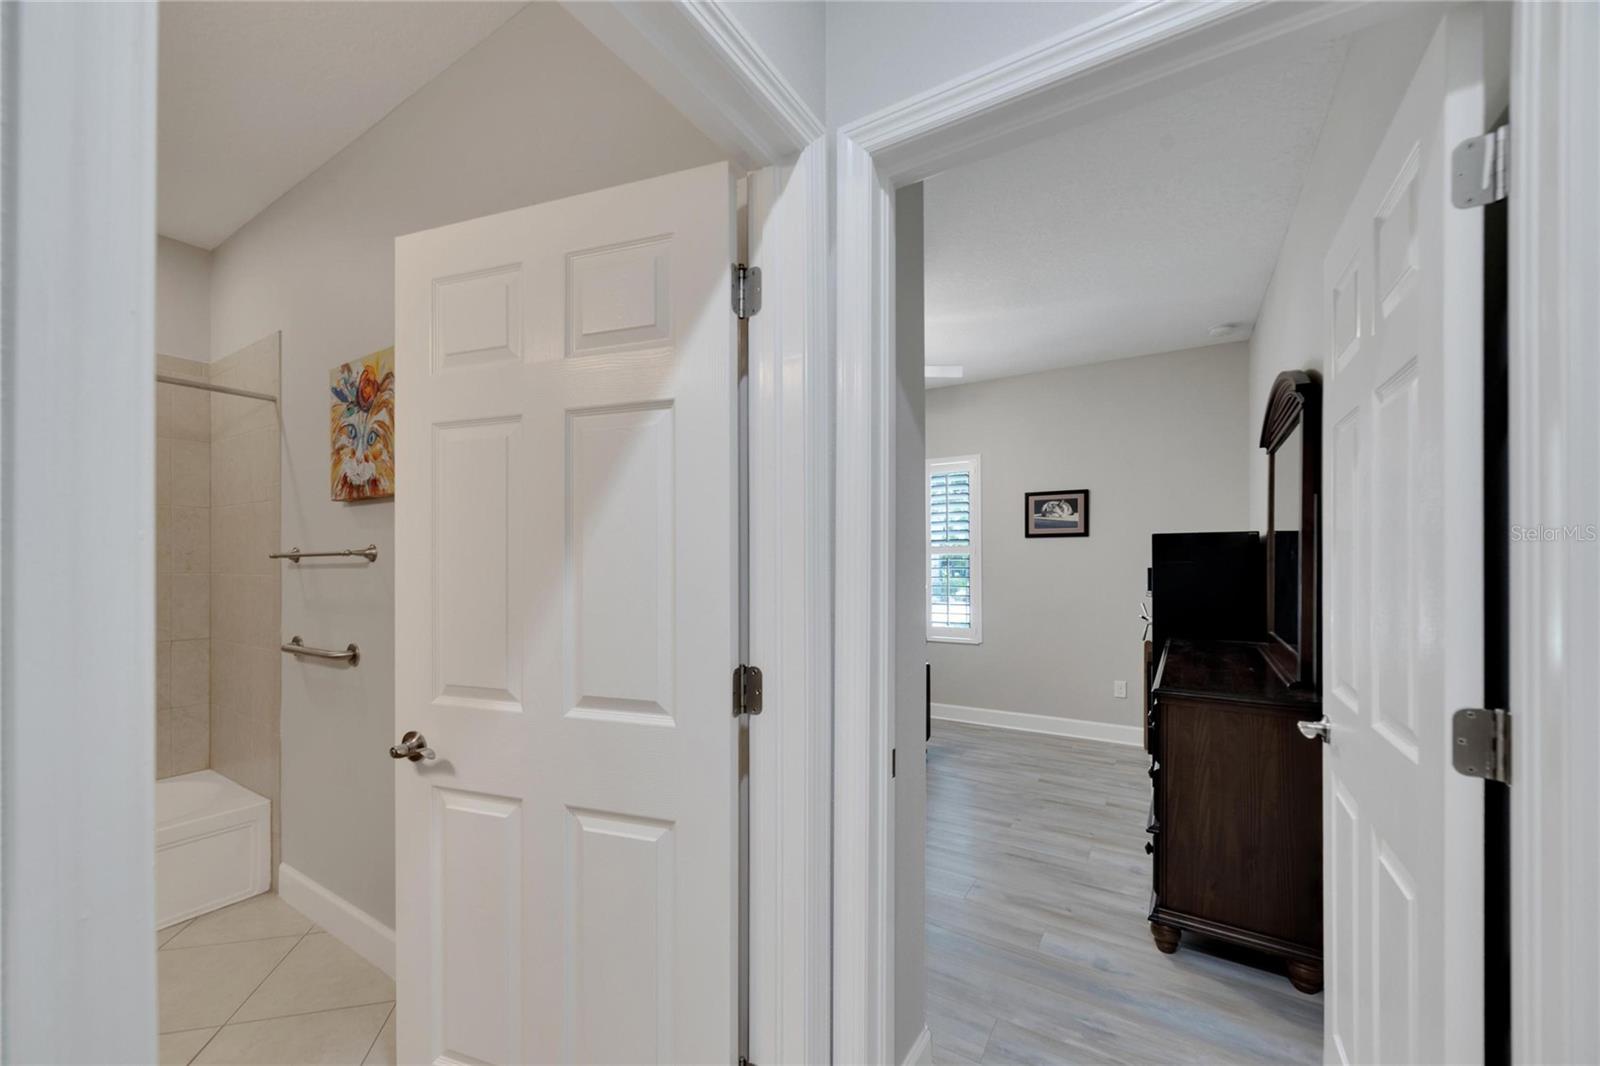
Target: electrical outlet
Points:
(1119, 689)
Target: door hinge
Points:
(1478, 169)
(746, 290)
(891, 761)
(746, 690)
(1480, 743)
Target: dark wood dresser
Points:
(1235, 712)
(1235, 822)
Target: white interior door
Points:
(566, 622)
(1403, 578)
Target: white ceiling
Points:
(255, 96)
(1132, 234)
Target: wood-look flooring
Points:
(1038, 950)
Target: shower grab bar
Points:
(294, 555)
(296, 646)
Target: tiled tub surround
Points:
(183, 565)
(257, 982)
(217, 594)
(245, 591)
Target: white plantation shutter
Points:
(953, 547)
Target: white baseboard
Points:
(921, 1053)
(1041, 723)
(354, 927)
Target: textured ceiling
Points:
(255, 96)
(1131, 234)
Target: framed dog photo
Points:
(1056, 514)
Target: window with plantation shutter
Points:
(953, 550)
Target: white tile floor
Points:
(257, 982)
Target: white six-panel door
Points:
(1403, 583)
(566, 620)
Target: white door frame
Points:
(697, 55)
(1555, 481)
(77, 227)
(1123, 57)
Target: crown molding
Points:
(700, 59)
(1147, 47)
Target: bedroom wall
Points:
(1155, 441)
(538, 111)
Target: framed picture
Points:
(362, 421)
(1056, 514)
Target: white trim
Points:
(790, 531)
(698, 56)
(1135, 50)
(973, 465)
(921, 1053)
(1555, 481)
(1133, 54)
(78, 126)
(1052, 725)
(352, 926)
(863, 610)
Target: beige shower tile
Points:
(244, 715)
(191, 672)
(244, 468)
(191, 540)
(191, 414)
(163, 674)
(176, 366)
(163, 606)
(244, 609)
(179, 1049)
(204, 986)
(319, 974)
(163, 472)
(190, 598)
(188, 738)
(243, 535)
(163, 540)
(335, 1036)
(190, 473)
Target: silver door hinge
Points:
(746, 290)
(1480, 743)
(746, 690)
(1478, 168)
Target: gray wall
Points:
(1155, 440)
(911, 780)
(538, 111)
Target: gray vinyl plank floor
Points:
(1038, 950)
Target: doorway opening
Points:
(1130, 839)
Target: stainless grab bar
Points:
(294, 555)
(296, 646)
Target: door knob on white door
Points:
(1317, 730)
(413, 746)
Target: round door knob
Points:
(1317, 730)
(413, 746)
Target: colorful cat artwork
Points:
(363, 428)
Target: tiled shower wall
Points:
(217, 594)
(183, 565)
(245, 584)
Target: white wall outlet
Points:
(1119, 689)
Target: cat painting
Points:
(362, 420)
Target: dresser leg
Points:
(1166, 937)
(1306, 976)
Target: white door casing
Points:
(566, 618)
(1403, 575)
